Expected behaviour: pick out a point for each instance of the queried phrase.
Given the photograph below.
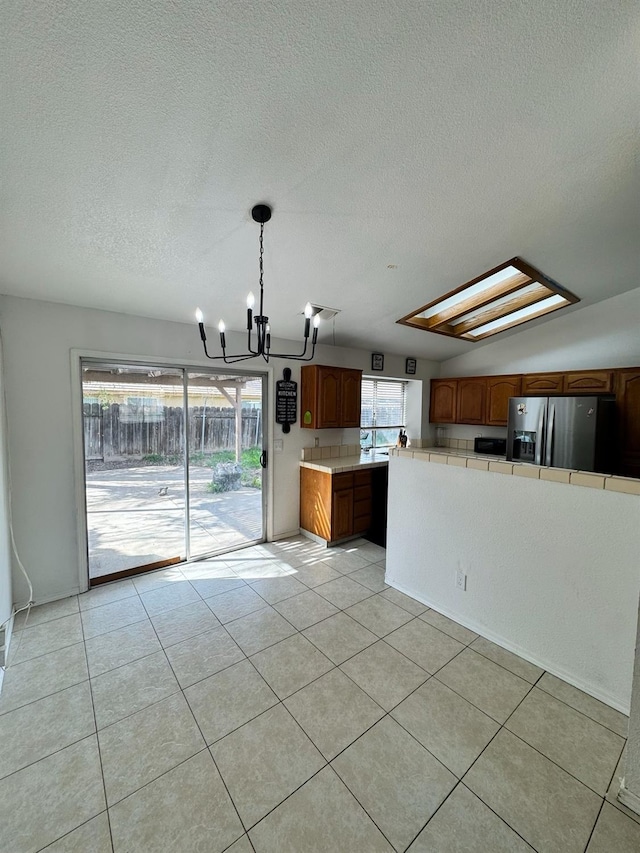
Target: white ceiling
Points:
(442, 137)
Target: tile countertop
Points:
(347, 463)
(498, 464)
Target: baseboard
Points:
(488, 634)
(288, 535)
(629, 799)
(5, 642)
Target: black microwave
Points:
(491, 446)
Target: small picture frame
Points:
(410, 366)
(377, 361)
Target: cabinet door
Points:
(329, 382)
(471, 401)
(315, 502)
(628, 399)
(588, 382)
(442, 409)
(350, 391)
(542, 383)
(342, 516)
(499, 389)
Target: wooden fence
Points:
(117, 430)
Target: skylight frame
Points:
(513, 294)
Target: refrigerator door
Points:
(571, 436)
(525, 429)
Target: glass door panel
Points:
(133, 420)
(225, 477)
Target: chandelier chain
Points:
(261, 254)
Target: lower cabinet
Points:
(336, 506)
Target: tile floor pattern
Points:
(284, 698)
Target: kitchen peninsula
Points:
(343, 493)
(549, 559)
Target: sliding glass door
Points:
(225, 475)
(172, 465)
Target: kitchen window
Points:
(382, 412)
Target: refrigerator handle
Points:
(539, 436)
(549, 441)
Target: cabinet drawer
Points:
(362, 478)
(361, 524)
(362, 508)
(362, 493)
(342, 481)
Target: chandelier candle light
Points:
(261, 213)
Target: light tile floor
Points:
(284, 698)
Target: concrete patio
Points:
(135, 516)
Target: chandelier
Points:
(261, 346)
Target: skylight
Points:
(500, 299)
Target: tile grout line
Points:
(502, 726)
(95, 723)
(206, 746)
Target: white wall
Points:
(552, 568)
(603, 335)
(632, 761)
(38, 339)
(6, 598)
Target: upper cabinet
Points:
(588, 382)
(330, 397)
(542, 383)
(628, 400)
(499, 389)
(444, 395)
(350, 397)
(471, 400)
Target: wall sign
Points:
(377, 361)
(410, 365)
(286, 401)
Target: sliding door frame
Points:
(79, 356)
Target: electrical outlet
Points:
(316, 441)
(461, 580)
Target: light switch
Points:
(278, 445)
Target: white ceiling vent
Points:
(323, 312)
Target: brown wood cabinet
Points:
(444, 395)
(330, 397)
(628, 400)
(588, 382)
(335, 506)
(471, 400)
(485, 400)
(542, 383)
(499, 389)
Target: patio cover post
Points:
(238, 422)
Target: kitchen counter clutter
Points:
(498, 465)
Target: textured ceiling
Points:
(440, 137)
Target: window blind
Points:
(383, 403)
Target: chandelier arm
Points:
(231, 359)
(226, 358)
(301, 357)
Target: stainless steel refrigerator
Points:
(563, 432)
